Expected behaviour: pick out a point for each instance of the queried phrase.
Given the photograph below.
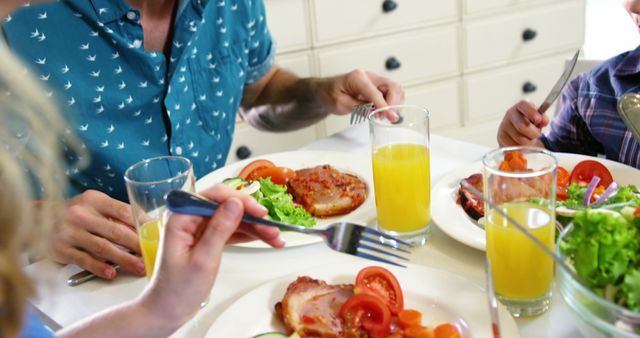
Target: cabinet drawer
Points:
(407, 58)
(260, 143)
(299, 63)
(340, 19)
(491, 93)
(521, 35)
(288, 23)
(442, 99)
(478, 6)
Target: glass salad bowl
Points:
(595, 315)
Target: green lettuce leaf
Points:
(602, 245)
(280, 204)
(631, 289)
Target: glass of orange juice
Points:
(401, 172)
(148, 181)
(520, 182)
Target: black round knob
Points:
(529, 34)
(528, 87)
(389, 6)
(392, 63)
(243, 152)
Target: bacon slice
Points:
(310, 307)
(325, 191)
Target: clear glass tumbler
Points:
(148, 182)
(401, 172)
(520, 182)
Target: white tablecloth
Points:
(243, 269)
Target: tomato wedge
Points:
(584, 171)
(380, 282)
(279, 175)
(365, 312)
(253, 165)
(562, 183)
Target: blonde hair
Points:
(31, 132)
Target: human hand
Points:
(95, 224)
(522, 125)
(191, 252)
(342, 92)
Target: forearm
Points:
(127, 320)
(285, 102)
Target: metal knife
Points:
(562, 81)
(85, 276)
(493, 302)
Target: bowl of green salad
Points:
(602, 288)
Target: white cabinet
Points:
(406, 58)
(340, 20)
(516, 36)
(467, 61)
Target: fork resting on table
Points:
(346, 237)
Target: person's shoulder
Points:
(43, 14)
(617, 64)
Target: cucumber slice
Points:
(274, 335)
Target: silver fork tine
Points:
(372, 248)
(365, 111)
(354, 114)
(385, 236)
(376, 258)
(379, 242)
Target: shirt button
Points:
(131, 15)
(178, 151)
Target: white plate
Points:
(439, 295)
(346, 162)
(452, 220)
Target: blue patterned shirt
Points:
(127, 104)
(588, 122)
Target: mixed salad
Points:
(267, 183)
(604, 243)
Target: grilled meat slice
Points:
(325, 191)
(310, 307)
(473, 206)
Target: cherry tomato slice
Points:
(279, 175)
(584, 171)
(253, 165)
(365, 312)
(381, 282)
(561, 193)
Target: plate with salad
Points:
(269, 179)
(583, 182)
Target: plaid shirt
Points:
(588, 122)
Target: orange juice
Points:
(521, 270)
(149, 234)
(402, 186)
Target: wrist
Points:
(150, 310)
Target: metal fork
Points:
(360, 112)
(346, 237)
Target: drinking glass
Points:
(525, 189)
(401, 172)
(148, 182)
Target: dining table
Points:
(243, 269)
